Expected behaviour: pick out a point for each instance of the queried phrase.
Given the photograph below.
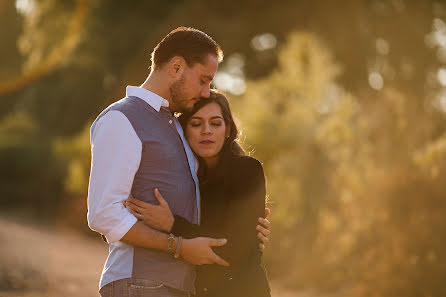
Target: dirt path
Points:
(43, 261)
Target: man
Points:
(138, 146)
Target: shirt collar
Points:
(149, 97)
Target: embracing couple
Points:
(180, 204)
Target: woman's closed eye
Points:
(198, 123)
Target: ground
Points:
(39, 260)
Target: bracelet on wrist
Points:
(170, 240)
(177, 251)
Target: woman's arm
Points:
(246, 204)
(160, 217)
(183, 227)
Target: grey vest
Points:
(164, 166)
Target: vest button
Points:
(170, 121)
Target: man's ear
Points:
(176, 66)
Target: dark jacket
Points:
(232, 199)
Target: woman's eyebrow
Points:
(212, 118)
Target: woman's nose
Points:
(206, 129)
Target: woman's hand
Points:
(263, 228)
(156, 216)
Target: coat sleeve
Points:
(246, 205)
(184, 228)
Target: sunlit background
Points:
(343, 101)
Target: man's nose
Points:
(205, 91)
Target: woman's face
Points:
(206, 133)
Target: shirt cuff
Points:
(119, 231)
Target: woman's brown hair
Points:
(231, 144)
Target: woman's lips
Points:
(206, 142)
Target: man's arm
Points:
(196, 251)
(115, 158)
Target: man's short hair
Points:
(191, 44)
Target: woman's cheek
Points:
(191, 137)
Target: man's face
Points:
(194, 83)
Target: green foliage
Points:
(75, 151)
(299, 130)
(30, 174)
(355, 184)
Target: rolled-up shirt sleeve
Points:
(115, 158)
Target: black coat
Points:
(232, 199)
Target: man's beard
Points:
(179, 101)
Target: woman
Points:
(232, 188)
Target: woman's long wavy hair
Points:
(231, 147)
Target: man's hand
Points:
(198, 251)
(263, 228)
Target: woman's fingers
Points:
(136, 214)
(160, 198)
(137, 202)
(265, 223)
(134, 207)
(143, 204)
(264, 231)
(263, 238)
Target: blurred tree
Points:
(80, 68)
(113, 41)
(348, 115)
(10, 58)
(300, 122)
(75, 153)
(10, 30)
(355, 184)
(30, 173)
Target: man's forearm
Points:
(196, 251)
(141, 235)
